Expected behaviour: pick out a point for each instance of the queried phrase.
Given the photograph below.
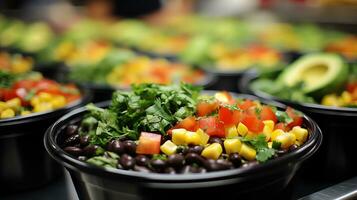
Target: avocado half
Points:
(321, 73)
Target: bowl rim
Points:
(245, 85)
(56, 152)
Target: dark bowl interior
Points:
(25, 163)
(254, 182)
(335, 160)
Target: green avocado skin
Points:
(333, 86)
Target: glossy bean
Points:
(91, 150)
(142, 160)
(175, 160)
(116, 146)
(169, 170)
(71, 130)
(215, 140)
(224, 164)
(192, 158)
(158, 164)
(127, 161)
(141, 169)
(195, 149)
(236, 159)
(72, 140)
(84, 140)
(75, 151)
(293, 147)
(129, 147)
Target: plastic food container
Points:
(336, 159)
(265, 180)
(24, 161)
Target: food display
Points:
(174, 129)
(316, 78)
(346, 46)
(15, 63)
(24, 94)
(120, 68)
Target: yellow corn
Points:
(213, 151)
(268, 129)
(14, 103)
(41, 107)
(346, 97)
(58, 101)
(168, 148)
(330, 100)
(25, 112)
(203, 137)
(286, 140)
(276, 133)
(7, 113)
(179, 136)
(192, 138)
(270, 144)
(222, 97)
(231, 132)
(3, 106)
(35, 101)
(232, 145)
(44, 96)
(242, 129)
(300, 134)
(247, 152)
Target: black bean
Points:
(211, 165)
(116, 146)
(192, 158)
(141, 169)
(224, 164)
(127, 161)
(293, 147)
(91, 150)
(169, 170)
(158, 164)
(72, 140)
(250, 163)
(201, 170)
(142, 160)
(182, 150)
(215, 140)
(129, 147)
(71, 130)
(84, 140)
(195, 149)
(281, 152)
(75, 151)
(236, 159)
(175, 160)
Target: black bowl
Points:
(253, 182)
(24, 161)
(336, 159)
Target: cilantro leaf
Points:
(283, 117)
(264, 153)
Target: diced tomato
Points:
(212, 126)
(229, 117)
(268, 114)
(253, 123)
(189, 123)
(48, 86)
(205, 108)
(351, 87)
(8, 94)
(149, 143)
(297, 119)
(27, 84)
(246, 104)
(281, 126)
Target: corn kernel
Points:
(168, 148)
(232, 145)
(192, 138)
(203, 137)
(231, 132)
(44, 96)
(247, 152)
(269, 123)
(242, 129)
(3, 106)
(346, 97)
(300, 134)
(268, 129)
(14, 103)
(276, 133)
(25, 112)
(330, 100)
(7, 113)
(286, 140)
(42, 107)
(213, 151)
(270, 144)
(58, 101)
(35, 101)
(179, 136)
